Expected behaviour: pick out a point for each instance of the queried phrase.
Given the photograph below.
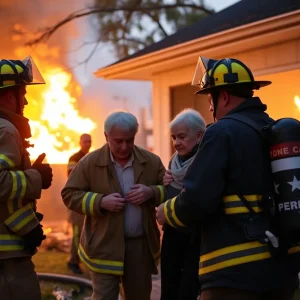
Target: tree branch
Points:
(156, 20)
(47, 32)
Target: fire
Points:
(297, 101)
(55, 122)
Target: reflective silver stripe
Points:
(284, 164)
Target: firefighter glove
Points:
(45, 170)
(34, 238)
(39, 216)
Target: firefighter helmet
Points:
(211, 74)
(19, 72)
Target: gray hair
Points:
(193, 119)
(122, 119)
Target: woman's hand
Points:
(168, 178)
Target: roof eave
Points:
(253, 35)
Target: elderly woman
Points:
(180, 249)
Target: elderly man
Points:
(117, 187)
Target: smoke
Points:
(30, 15)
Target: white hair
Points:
(122, 119)
(193, 119)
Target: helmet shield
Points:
(201, 77)
(33, 72)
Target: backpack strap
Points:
(247, 121)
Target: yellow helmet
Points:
(19, 72)
(211, 74)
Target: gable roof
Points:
(241, 13)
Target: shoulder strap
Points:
(245, 120)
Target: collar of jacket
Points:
(21, 123)
(253, 104)
(103, 157)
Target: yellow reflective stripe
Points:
(6, 162)
(229, 249)
(161, 193)
(10, 203)
(18, 191)
(88, 203)
(231, 198)
(99, 265)
(233, 255)
(241, 210)
(91, 206)
(23, 188)
(10, 242)
(234, 262)
(76, 235)
(166, 213)
(20, 218)
(72, 164)
(234, 205)
(294, 249)
(178, 222)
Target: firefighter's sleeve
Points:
(204, 183)
(16, 186)
(77, 195)
(159, 190)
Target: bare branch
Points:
(156, 20)
(47, 32)
(92, 52)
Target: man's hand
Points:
(113, 202)
(45, 171)
(168, 178)
(160, 216)
(139, 194)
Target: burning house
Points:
(264, 34)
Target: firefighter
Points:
(227, 192)
(21, 183)
(74, 218)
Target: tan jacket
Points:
(19, 187)
(102, 241)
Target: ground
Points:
(55, 262)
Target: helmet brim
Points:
(256, 85)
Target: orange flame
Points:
(297, 101)
(56, 124)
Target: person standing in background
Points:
(74, 218)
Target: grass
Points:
(56, 262)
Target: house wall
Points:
(271, 59)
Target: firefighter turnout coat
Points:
(231, 161)
(102, 240)
(20, 185)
